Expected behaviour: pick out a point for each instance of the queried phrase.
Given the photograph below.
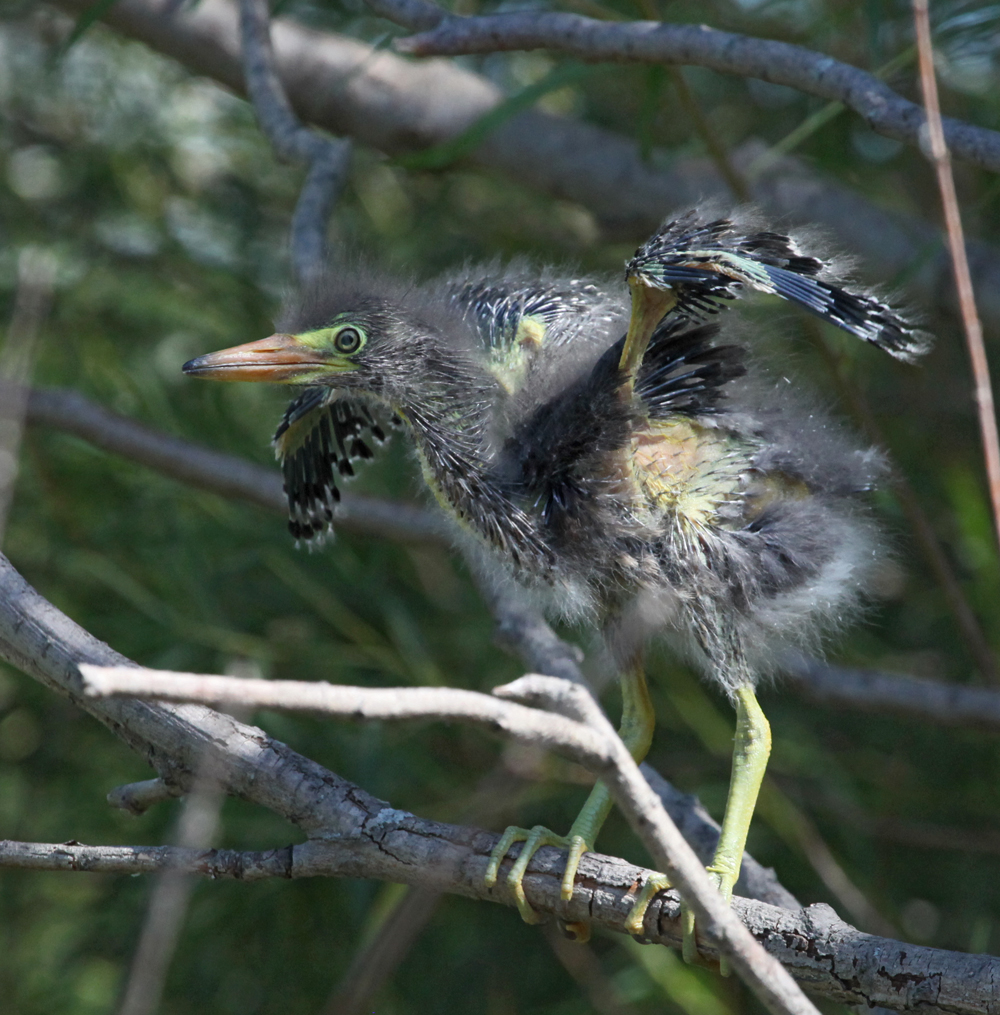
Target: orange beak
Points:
(278, 359)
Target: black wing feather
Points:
(312, 442)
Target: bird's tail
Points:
(691, 266)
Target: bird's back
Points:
(711, 501)
(596, 441)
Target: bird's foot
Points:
(657, 883)
(534, 839)
(723, 878)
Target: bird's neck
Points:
(450, 445)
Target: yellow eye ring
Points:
(348, 341)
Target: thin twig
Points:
(327, 159)
(138, 797)
(353, 834)
(939, 154)
(578, 728)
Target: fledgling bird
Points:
(614, 456)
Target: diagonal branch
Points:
(352, 834)
(576, 727)
(781, 63)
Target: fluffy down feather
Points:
(699, 503)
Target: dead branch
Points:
(352, 834)
(580, 731)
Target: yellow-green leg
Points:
(636, 730)
(750, 753)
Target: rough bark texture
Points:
(353, 834)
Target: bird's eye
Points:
(348, 340)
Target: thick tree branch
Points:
(397, 106)
(355, 835)
(223, 474)
(781, 63)
(580, 731)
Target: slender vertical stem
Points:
(956, 244)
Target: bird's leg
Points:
(750, 754)
(636, 730)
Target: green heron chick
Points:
(612, 456)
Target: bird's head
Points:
(349, 349)
(373, 337)
(351, 339)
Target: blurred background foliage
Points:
(167, 214)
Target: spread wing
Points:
(319, 437)
(684, 372)
(692, 268)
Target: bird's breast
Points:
(687, 469)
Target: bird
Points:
(611, 448)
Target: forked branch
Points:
(354, 834)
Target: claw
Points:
(655, 884)
(533, 839)
(577, 847)
(723, 881)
